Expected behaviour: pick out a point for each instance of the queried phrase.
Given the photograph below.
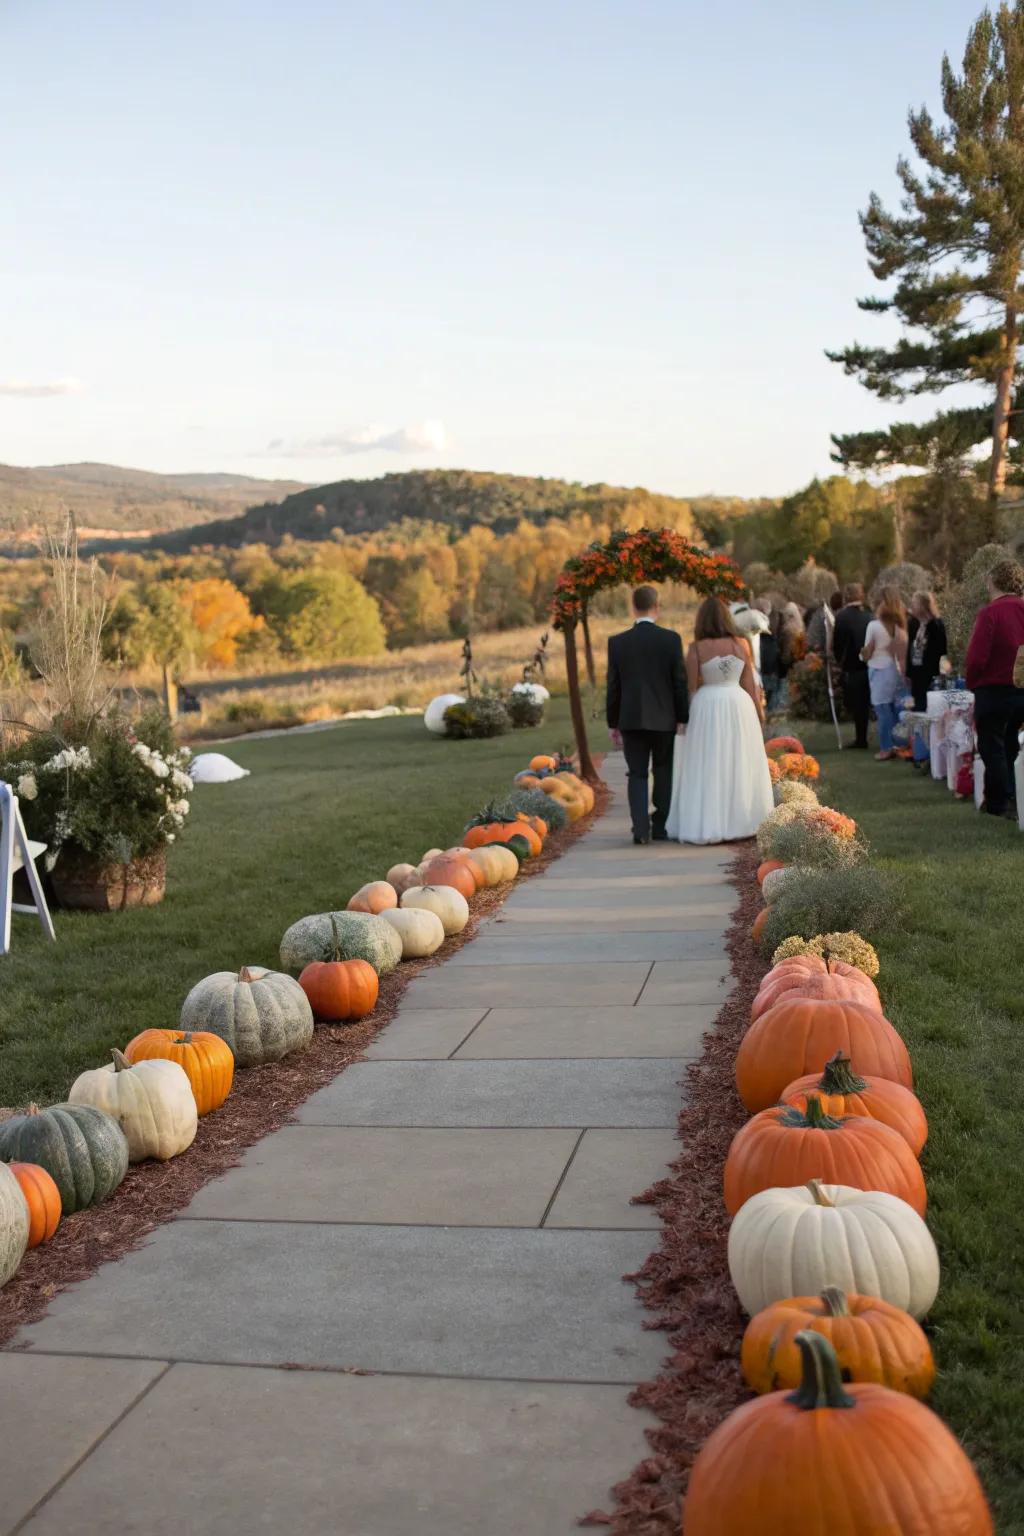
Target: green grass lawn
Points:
(320, 814)
(952, 981)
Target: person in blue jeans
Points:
(885, 651)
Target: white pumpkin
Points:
(777, 880)
(152, 1102)
(794, 1242)
(444, 901)
(14, 1224)
(498, 864)
(420, 930)
(402, 876)
(431, 853)
(433, 715)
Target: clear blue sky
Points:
(600, 239)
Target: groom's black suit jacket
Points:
(646, 680)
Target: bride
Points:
(720, 787)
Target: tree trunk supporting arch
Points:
(579, 724)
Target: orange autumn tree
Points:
(221, 617)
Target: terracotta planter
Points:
(86, 884)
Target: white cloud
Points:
(23, 390)
(419, 437)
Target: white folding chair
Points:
(17, 852)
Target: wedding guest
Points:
(998, 702)
(885, 651)
(847, 643)
(771, 679)
(792, 642)
(926, 646)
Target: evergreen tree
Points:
(955, 253)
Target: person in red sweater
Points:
(998, 705)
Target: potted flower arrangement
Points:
(104, 791)
(106, 805)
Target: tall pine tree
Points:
(955, 254)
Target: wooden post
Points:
(572, 673)
(588, 650)
(170, 694)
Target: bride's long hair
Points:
(714, 621)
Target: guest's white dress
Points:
(720, 786)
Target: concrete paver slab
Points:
(500, 1093)
(537, 922)
(436, 1177)
(528, 949)
(53, 1412)
(510, 1033)
(459, 1301)
(512, 985)
(427, 1033)
(672, 982)
(220, 1449)
(609, 1168)
(620, 896)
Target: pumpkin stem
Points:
(185, 1039)
(121, 1062)
(838, 1076)
(834, 1300)
(33, 1109)
(821, 1385)
(336, 956)
(813, 1117)
(245, 974)
(820, 1197)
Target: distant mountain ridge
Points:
(128, 501)
(453, 499)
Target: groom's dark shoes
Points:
(640, 841)
(659, 837)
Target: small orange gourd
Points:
(42, 1198)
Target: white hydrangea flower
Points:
(71, 758)
(28, 789)
(181, 780)
(141, 750)
(169, 836)
(158, 766)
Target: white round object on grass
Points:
(215, 768)
(433, 715)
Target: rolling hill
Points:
(106, 499)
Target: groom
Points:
(647, 702)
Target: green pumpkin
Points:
(262, 1015)
(83, 1150)
(515, 844)
(341, 936)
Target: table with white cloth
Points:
(951, 731)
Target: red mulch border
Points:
(261, 1100)
(685, 1282)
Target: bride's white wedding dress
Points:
(720, 785)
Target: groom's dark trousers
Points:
(647, 698)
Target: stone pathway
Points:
(451, 1215)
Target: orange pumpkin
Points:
(758, 925)
(489, 832)
(205, 1058)
(774, 990)
(340, 990)
(376, 897)
(542, 761)
(783, 1146)
(873, 1341)
(777, 744)
(527, 781)
(767, 867)
(451, 869)
(798, 1035)
(843, 1092)
(814, 965)
(42, 1198)
(538, 824)
(858, 1459)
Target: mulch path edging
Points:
(262, 1099)
(685, 1282)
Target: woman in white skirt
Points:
(721, 788)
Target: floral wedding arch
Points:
(630, 556)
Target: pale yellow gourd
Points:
(498, 864)
(152, 1102)
(444, 900)
(420, 930)
(402, 876)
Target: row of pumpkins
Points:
(831, 1259)
(146, 1103)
